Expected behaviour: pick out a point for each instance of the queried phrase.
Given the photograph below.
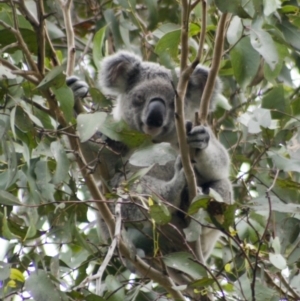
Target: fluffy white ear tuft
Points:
(196, 86)
(118, 72)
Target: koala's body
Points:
(145, 96)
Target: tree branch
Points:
(26, 74)
(66, 8)
(20, 40)
(217, 56)
(202, 34)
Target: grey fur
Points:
(145, 91)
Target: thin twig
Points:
(40, 29)
(203, 32)
(262, 237)
(20, 40)
(26, 74)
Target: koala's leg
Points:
(210, 235)
(168, 190)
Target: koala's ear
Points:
(118, 71)
(196, 86)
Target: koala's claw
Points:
(198, 137)
(79, 87)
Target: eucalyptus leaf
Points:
(65, 97)
(8, 199)
(235, 30)
(89, 124)
(183, 262)
(263, 43)
(160, 153)
(160, 213)
(169, 43)
(98, 46)
(41, 287)
(119, 131)
(245, 62)
(54, 78)
(232, 6)
(4, 270)
(278, 261)
(62, 163)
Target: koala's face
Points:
(145, 94)
(148, 107)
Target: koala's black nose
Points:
(155, 113)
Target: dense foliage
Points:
(49, 243)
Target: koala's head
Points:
(145, 94)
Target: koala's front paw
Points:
(198, 137)
(79, 87)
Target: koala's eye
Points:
(138, 100)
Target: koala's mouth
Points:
(151, 130)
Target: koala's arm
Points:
(211, 159)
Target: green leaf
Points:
(6, 73)
(6, 232)
(169, 43)
(43, 178)
(8, 199)
(271, 75)
(160, 213)
(245, 62)
(12, 164)
(184, 262)
(4, 270)
(284, 163)
(111, 19)
(89, 124)
(194, 229)
(119, 131)
(260, 204)
(99, 99)
(290, 32)
(232, 6)
(235, 30)
(62, 163)
(194, 29)
(274, 99)
(160, 153)
(271, 6)
(204, 282)
(199, 202)
(65, 97)
(278, 261)
(153, 13)
(116, 289)
(55, 78)
(259, 118)
(164, 29)
(263, 43)
(98, 46)
(16, 274)
(139, 174)
(22, 121)
(41, 287)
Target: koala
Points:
(145, 94)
